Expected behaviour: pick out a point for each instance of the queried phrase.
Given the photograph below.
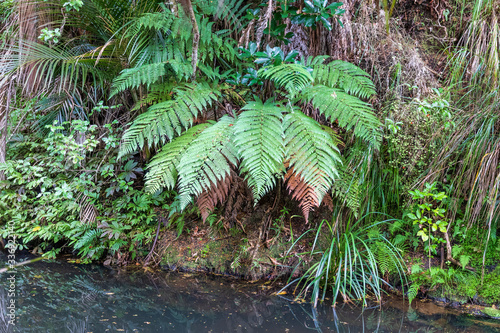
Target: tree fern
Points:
(167, 119)
(259, 138)
(207, 160)
(350, 111)
(163, 167)
(346, 76)
(292, 77)
(312, 158)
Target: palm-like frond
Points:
(163, 167)
(259, 138)
(349, 110)
(71, 67)
(292, 77)
(167, 119)
(346, 76)
(312, 158)
(207, 160)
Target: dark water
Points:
(60, 297)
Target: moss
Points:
(491, 312)
(490, 290)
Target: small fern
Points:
(346, 76)
(165, 120)
(292, 77)
(312, 158)
(259, 138)
(350, 111)
(207, 160)
(89, 238)
(413, 291)
(163, 167)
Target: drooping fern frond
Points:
(207, 160)
(215, 45)
(233, 11)
(157, 93)
(259, 139)
(346, 189)
(131, 78)
(292, 77)
(312, 158)
(164, 21)
(350, 111)
(167, 119)
(163, 167)
(217, 193)
(346, 76)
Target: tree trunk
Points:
(188, 9)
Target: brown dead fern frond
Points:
(217, 193)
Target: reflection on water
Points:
(60, 297)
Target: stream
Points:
(59, 296)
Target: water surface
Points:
(57, 296)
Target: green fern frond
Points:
(131, 78)
(312, 61)
(292, 77)
(349, 110)
(346, 76)
(233, 11)
(413, 291)
(206, 160)
(90, 236)
(167, 119)
(313, 160)
(157, 93)
(259, 139)
(164, 21)
(162, 172)
(346, 189)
